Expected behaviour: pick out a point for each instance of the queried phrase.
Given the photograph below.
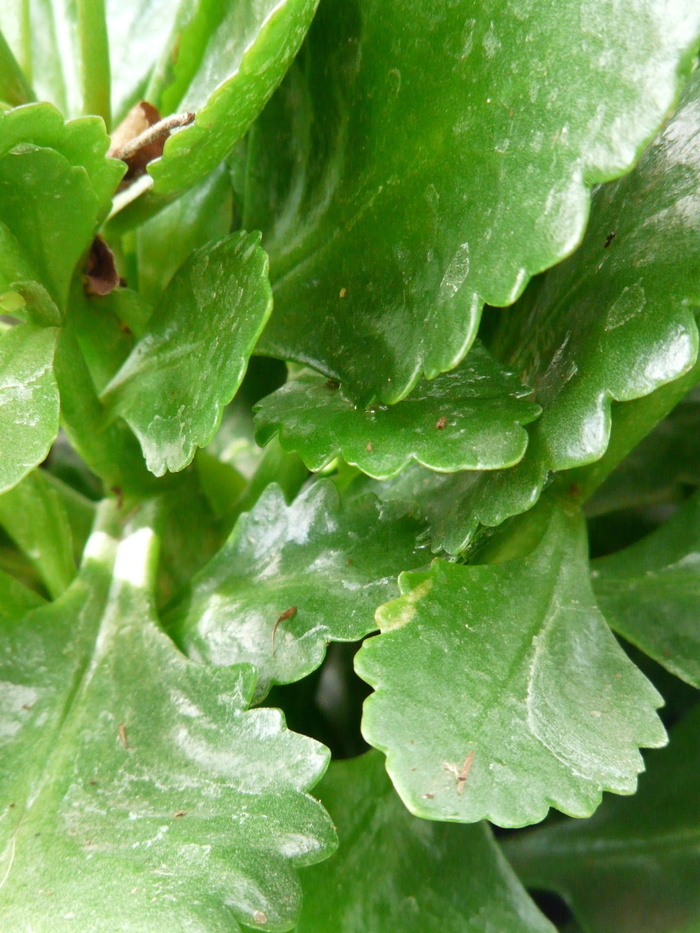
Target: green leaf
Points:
(650, 592)
(331, 564)
(223, 62)
(33, 516)
(394, 872)
(470, 419)
(422, 160)
(615, 321)
(29, 402)
(16, 598)
(14, 87)
(635, 866)
(143, 795)
(164, 242)
(192, 358)
(519, 698)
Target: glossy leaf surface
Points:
(192, 357)
(422, 159)
(29, 402)
(142, 795)
(650, 592)
(395, 872)
(469, 419)
(634, 867)
(615, 321)
(519, 696)
(331, 564)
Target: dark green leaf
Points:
(394, 872)
(519, 698)
(191, 359)
(635, 866)
(650, 592)
(470, 419)
(29, 402)
(330, 564)
(33, 516)
(422, 159)
(142, 795)
(615, 321)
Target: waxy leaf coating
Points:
(292, 578)
(650, 592)
(634, 867)
(469, 419)
(190, 361)
(139, 793)
(424, 158)
(29, 402)
(519, 698)
(615, 321)
(394, 872)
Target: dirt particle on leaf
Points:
(608, 240)
(343, 293)
(179, 814)
(282, 617)
(464, 773)
(370, 447)
(260, 917)
(441, 423)
(122, 735)
(428, 796)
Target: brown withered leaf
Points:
(101, 276)
(141, 136)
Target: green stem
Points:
(14, 87)
(94, 58)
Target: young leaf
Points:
(192, 358)
(292, 578)
(519, 697)
(394, 872)
(142, 795)
(634, 867)
(422, 159)
(615, 321)
(470, 419)
(650, 592)
(29, 402)
(33, 516)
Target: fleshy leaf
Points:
(394, 872)
(650, 592)
(192, 358)
(615, 321)
(424, 158)
(635, 866)
(519, 697)
(29, 402)
(292, 578)
(142, 795)
(469, 419)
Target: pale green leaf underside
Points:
(394, 872)
(29, 401)
(423, 158)
(634, 867)
(333, 563)
(650, 592)
(141, 795)
(190, 361)
(469, 419)
(519, 696)
(615, 321)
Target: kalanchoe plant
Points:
(327, 319)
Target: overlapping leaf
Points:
(615, 321)
(469, 419)
(141, 795)
(192, 357)
(634, 867)
(422, 159)
(292, 578)
(519, 698)
(650, 592)
(394, 872)
(29, 402)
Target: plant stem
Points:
(94, 58)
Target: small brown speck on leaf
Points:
(179, 814)
(101, 276)
(441, 423)
(332, 384)
(26, 706)
(464, 773)
(11, 806)
(608, 240)
(428, 796)
(370, 447)
(259, 917)
(122, 735)
(119, 493)
(282, 617)
(343, 292)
